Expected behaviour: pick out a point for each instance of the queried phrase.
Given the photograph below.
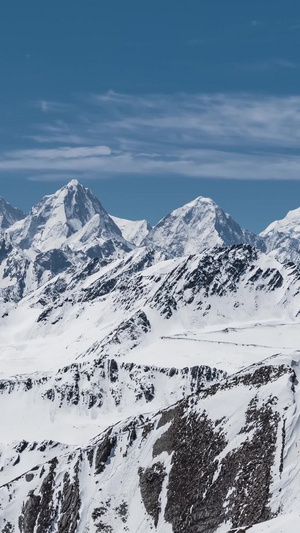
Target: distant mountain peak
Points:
(196, 226)
(287, 223)
(59, 216)
(282, 237)
(199, 200)
(73, 183)
(9, 214)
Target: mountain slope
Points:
(202, 465)
(69, 362)
(92, 347)
(133, 231)
(197, 226)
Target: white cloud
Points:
(240, 136)
(63, 138)
(270, 64)
(64, 152)
(218, 119)
(48, 106)
(193, 163)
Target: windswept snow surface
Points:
(287, 523)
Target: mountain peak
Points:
(201, 200)
(282, 237)
(73, 183)
(9, 214)
(286, 224)
(72, 187)
(58, 216)
(197, 226)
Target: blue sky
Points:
(152, 104)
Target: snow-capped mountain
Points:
(8, 214)
(63, 231)
(58, 217)
(133, 230)
(197, 226)
(147, 387)
(282, 237)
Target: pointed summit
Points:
(73, 183)
(9, 214)
(198, 226)
(58, 216)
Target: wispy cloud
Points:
(202, 120)
(62, 153)
(48, 106)
(239, 136)
(271, 64)
(79, 158)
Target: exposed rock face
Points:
(151, 481)
(70, 505)
(184, 466)
(38, 511)
(105, 384)
(30, 513)
(245, 473)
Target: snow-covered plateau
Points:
(149, 377)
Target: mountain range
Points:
(148, 375)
